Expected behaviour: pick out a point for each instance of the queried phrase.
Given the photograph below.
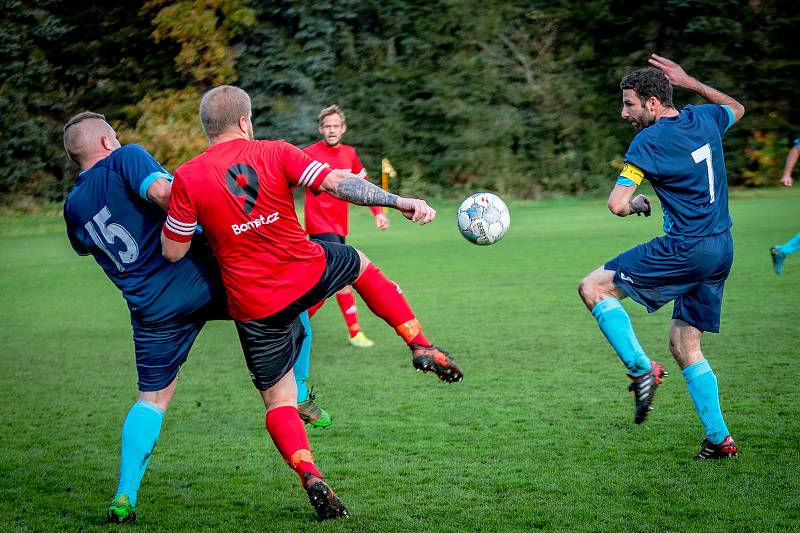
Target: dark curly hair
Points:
(649, 82)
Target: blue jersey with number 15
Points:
(109, 216)
(682, 158)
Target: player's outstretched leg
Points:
(386, 300)
(310, 412)
(779, 253)
(139, 435)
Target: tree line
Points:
(520, 98)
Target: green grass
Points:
(538, 436)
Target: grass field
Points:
(538, 436)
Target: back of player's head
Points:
(82, 134)
(221, 108)
(328, 111)
(649, 82)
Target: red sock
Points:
(314, 308)
(386, 300)
(347, 303)
(289, 435)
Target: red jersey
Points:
(240, 192)
(323, 212)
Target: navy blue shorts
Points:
(161, 348)
(690, 270)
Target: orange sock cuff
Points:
(411, 332)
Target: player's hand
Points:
(416, 210)
(381, 222)
(787, 180)
(640, 205)
(673, 71)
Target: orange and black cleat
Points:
(323, 499)
(433, 359)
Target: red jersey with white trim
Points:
(323, 212)
(240, 193)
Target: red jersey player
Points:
(326, 215)
(240, 191)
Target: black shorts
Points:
(327, 237)
(271, 345)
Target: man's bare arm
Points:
(173, 250)
(621, 203)
(361, 192)
(350, 188)
(679, 78)
(159, 192)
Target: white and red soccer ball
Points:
(483, 218)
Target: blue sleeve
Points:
(642, 152)
(797, 142)
(722, 115)
(138, 169)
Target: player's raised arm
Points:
(679, 78)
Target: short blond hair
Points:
(81, 132)
(221, 108)
(328, 111)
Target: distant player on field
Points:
(115, 213)
(240, 191)
(779, 253)
(680, 153)
(326, 215)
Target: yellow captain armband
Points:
(633, 173)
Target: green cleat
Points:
(120, 510)
(359, 340)
(313, 414)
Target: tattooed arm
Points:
(350, 188)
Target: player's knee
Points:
(364, 262)
(587, 289)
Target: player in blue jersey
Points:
(680, 153)
(780, 252)
(115, 213)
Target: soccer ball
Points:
(483, 218)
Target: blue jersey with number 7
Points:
(110, 217)
(682, 158)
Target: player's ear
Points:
(107, 143)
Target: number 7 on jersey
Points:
(704, 153)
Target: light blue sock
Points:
(616, 325)
(791, 246)
(139, 435)
(703, 389)
(303, 361)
